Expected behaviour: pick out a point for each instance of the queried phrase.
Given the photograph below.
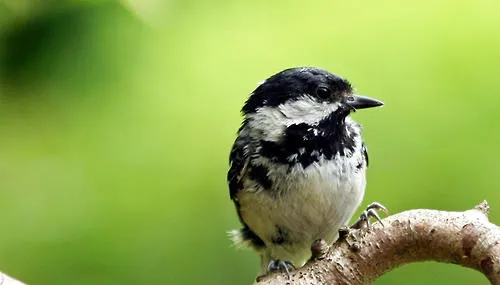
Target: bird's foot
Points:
(280, 266)
(277, 265)
(370, 212)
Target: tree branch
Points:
(464, 238)
(7, 280)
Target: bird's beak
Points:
(362, 102)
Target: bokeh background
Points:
(116, 120)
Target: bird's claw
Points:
(280, 266)
(370, 212)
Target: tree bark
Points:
(361, 256)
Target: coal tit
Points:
(297, 167)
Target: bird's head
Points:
(304, 95)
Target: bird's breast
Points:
(323, 196)
(304, 204)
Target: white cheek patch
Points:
(272, 121)
(306, 110)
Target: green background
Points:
(116, 120)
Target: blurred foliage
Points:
(116, 119)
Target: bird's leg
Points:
(371, 211)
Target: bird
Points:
(298, 165)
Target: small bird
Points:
(298, 166)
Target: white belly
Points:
(307, 204)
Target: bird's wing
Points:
(239, 161)
(365, 153)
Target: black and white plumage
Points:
(298, 164)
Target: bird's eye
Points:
(323, 92)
